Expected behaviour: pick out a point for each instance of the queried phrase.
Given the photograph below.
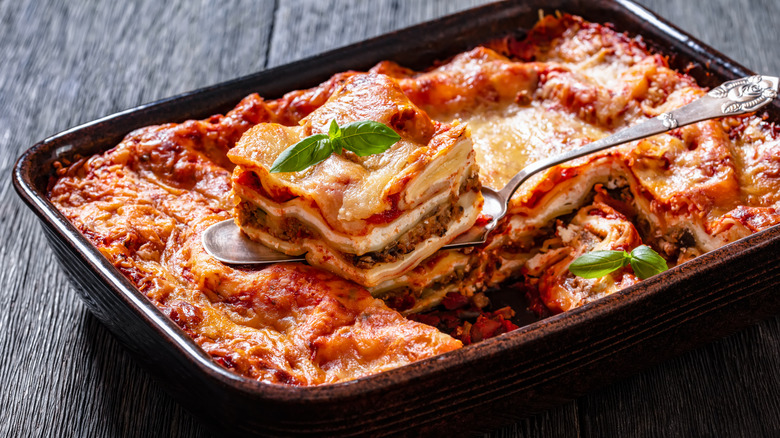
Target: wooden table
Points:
(63, 63)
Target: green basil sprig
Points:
(363, 138)
(643, 260)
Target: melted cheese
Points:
(509, 137)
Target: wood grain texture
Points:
(65, 63)
(68, 62)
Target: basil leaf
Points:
(597, 264)
(307, 152)
(363, 138)
(645, 262)
(367, 137)
(334, 132)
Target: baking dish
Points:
(526, 370)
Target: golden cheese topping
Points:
(509, 137)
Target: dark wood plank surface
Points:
(63, 63)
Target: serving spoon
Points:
(225, 241)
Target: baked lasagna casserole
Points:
(475, 119)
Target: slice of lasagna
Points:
(368, 219)
(594, 227)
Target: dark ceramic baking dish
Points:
(478, 387)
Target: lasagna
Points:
(368, 219)
(491, 110)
